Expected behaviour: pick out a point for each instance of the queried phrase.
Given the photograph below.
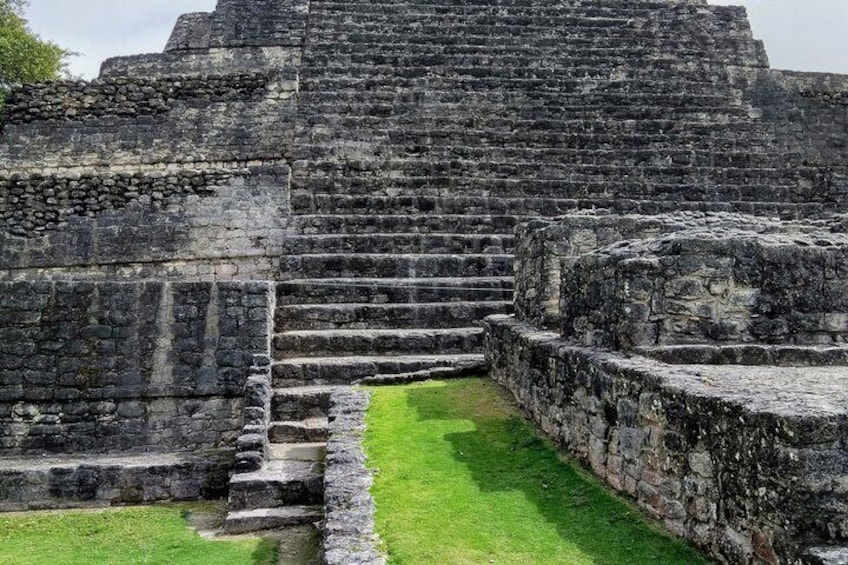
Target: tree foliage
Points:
(24, 57)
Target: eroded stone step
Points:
(300, 451)
(394, 290)
(309, 430)
(577, 132)
(245, 521)
(346, 370)
(704, 151)
(682, 197)
(440, 243)
(386, 316)
(299, 403)
(304, 224)
(278, 484)
(332, 265)
(626, 120)
(326, 343)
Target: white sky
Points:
(809, 35)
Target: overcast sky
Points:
(799, 34)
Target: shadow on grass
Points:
(504, 453)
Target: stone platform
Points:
(747, 461)
(31, 483)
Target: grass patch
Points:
(461, 477)
(129, 536)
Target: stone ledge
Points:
(349, 527)
(745, 461)
(93, 481)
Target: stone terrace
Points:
(699, 371)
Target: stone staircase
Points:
(427, 130)
(289, 488)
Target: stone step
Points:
(466, 5)
(716, 110)
(732, 19)
(308, 430)
(305, 224)
(608, 118)
(440, 243)
(568, 176)
(731, 51)
(346, 370)
(53, 481)
(343, 265)
(246, 521)
(300, 403)
(387, 291)
(494, 175)
(683, 197)
(662, 56)
(577, 133)
(356, 316)
(534, 144)
(326, 343)
(336, 160)
(661, 60)
(305, 202)
(805, 201)
(301, 451)
(279, 483)
(454, 81)
(453, 28)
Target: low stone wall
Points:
(709, 286)
(547, 248)
(219, 61)
(349, 525)
(747, 462)
(253, 443)
(126, 97)
(127, 367)
(79, 482)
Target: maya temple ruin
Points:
(615, 208)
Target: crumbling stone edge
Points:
(349, 537)
(253, 443)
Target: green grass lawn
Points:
(130, 536)
(460, 477)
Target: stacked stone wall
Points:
(716, 286)
(79, 100)
(749, 474)
(127, 367)
(189, 222)
(807, 114)
(547, 248)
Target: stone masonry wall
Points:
(56, 101)
(750, 476)
(127, 367)
(164, 222)
(807, 115)
(547, 248)
(716, 286)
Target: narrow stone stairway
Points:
(357, 309)
(289, 488)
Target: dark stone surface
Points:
(127, 367)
